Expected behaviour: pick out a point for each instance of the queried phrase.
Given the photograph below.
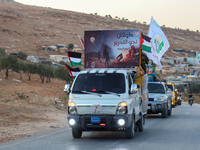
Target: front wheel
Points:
(141, 124)
(170, 110)
(164, 113)
(130, 132)
(76, 132)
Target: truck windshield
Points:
(100, 83)
(170, 87)
(156, 88)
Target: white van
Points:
(106, 100)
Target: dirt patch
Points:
(27, 108)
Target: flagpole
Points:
(81, 41)
(140, 51)
(69, 71)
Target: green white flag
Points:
(160, 44)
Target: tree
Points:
(62, 73)
(62, 63)
(49, 73)
(31, 68)
(22, 55)
(47, 63)
(181, 88)
(8, 62)
(71, 46)
(194, 88)
(2, 51)
(42, 71)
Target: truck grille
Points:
(151, 99)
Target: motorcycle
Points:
(190, 101)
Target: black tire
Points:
(164, 113)
(141, 124)
(76, 132)
(130, 132)
(179, 102)
(170, 110)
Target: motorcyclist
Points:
(190, 98)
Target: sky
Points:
(183, 14)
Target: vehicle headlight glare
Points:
(121, 122)
(158, 99)
(72, 122)
(72, 110)
(121, 110)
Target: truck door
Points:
(135, 98)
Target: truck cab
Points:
(106, 100)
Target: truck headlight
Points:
(72, 108)
(160, 99)
(122, 108)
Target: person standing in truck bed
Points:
(138, 76)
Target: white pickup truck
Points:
(106, 100)
(159, 99)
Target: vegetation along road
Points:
(178, 132)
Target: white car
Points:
(159, 99)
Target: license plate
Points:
(95, 119)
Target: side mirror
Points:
(134, 88)
(67, 88)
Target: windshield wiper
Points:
(113, 93)
(92, 93)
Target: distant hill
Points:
(27, 28)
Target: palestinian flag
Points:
(145, 43)
(73, 71)
(119, 57)
(74, 58)
(82, 42)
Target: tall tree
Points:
(31, 68)
(62, 73)
(8, 62)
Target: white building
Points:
(33, 59)
(59, 58)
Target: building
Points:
(33, 59)
(168, 60)
(194, 60)
(58, 58)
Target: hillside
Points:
(27, 28)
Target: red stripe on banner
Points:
(69, 59)
(141, 40)
(69, 71)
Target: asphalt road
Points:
(181, 131)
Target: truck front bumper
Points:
(107, 122)
(156, 107)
